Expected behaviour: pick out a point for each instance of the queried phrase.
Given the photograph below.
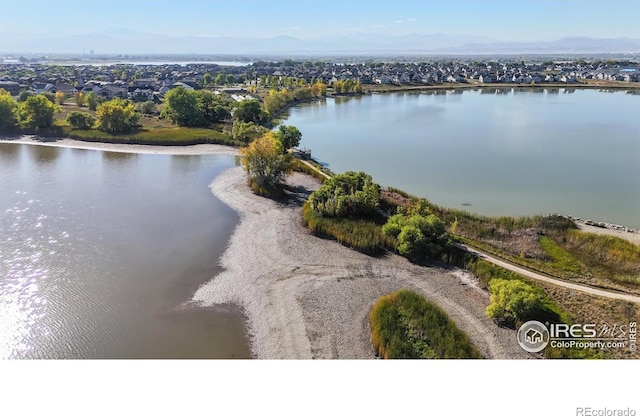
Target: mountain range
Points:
(121, 41)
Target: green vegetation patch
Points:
(405, 325)
(364, 235)
(560, 257)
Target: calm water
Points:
(99, 250)
(494, 152)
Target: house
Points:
(11, 87)
(110, 91)
(141, 94)
(39, 87)
(68, 90)
(144, 82)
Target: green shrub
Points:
(80, 120)
(405, 325)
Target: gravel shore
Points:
(306, 297)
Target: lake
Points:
(99, 251)
(491, 151)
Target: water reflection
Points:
(10, 152)
(119, 157)
(44, 154)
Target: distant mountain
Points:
(121, 41)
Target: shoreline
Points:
(623, 232)
(196, 149)
(305, 297)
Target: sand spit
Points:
(306, 297)
(198, 149)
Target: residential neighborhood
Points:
(150, 82)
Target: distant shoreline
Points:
(627, 233)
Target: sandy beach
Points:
(306, 297)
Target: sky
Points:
(516, 20)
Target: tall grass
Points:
(618, 259)
(405, 325)
(298, 166)
(174, 136)
(364, 235)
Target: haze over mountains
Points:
(121, 41)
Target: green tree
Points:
(230, 79)
(248, 111)
(206, 78)
(49, 96)
(36, 112)
(350, 194)
(24, 95)
(147, 107)
(289, 137)
(219, 80)
(265, 164)
(80, 120)
(117, 116)
(246, 131)
(8, 109)
(512, 301)
(93, 100)
(182, 108)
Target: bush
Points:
(36, 112)
(117, 116)
(405, 325)
(80, 120)
(147, 107)
(349, 194)
(418, 235)
(512, 301)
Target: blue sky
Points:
(501, 20)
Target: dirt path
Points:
(306, 297)
(537, 276)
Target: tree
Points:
(319, 89)
(24, 95)
(147, 107)
(512, 301)
(419, 233)
(49, 96)
(219, 80)
(60, 97)
(350, 194)
(92, 100)
(117, 116)
(289, 137)
(8, 108)
(182, 108)
(206, 78)
(265, 164)
(79, 98)
(246, 131)
(230, 79)
(36, 112)
(80, 120)
(248, 111)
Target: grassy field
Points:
(405, 325)
(154, 131)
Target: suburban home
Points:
(141, 94)
(112, 91)
(68, 90)
(11, 87)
